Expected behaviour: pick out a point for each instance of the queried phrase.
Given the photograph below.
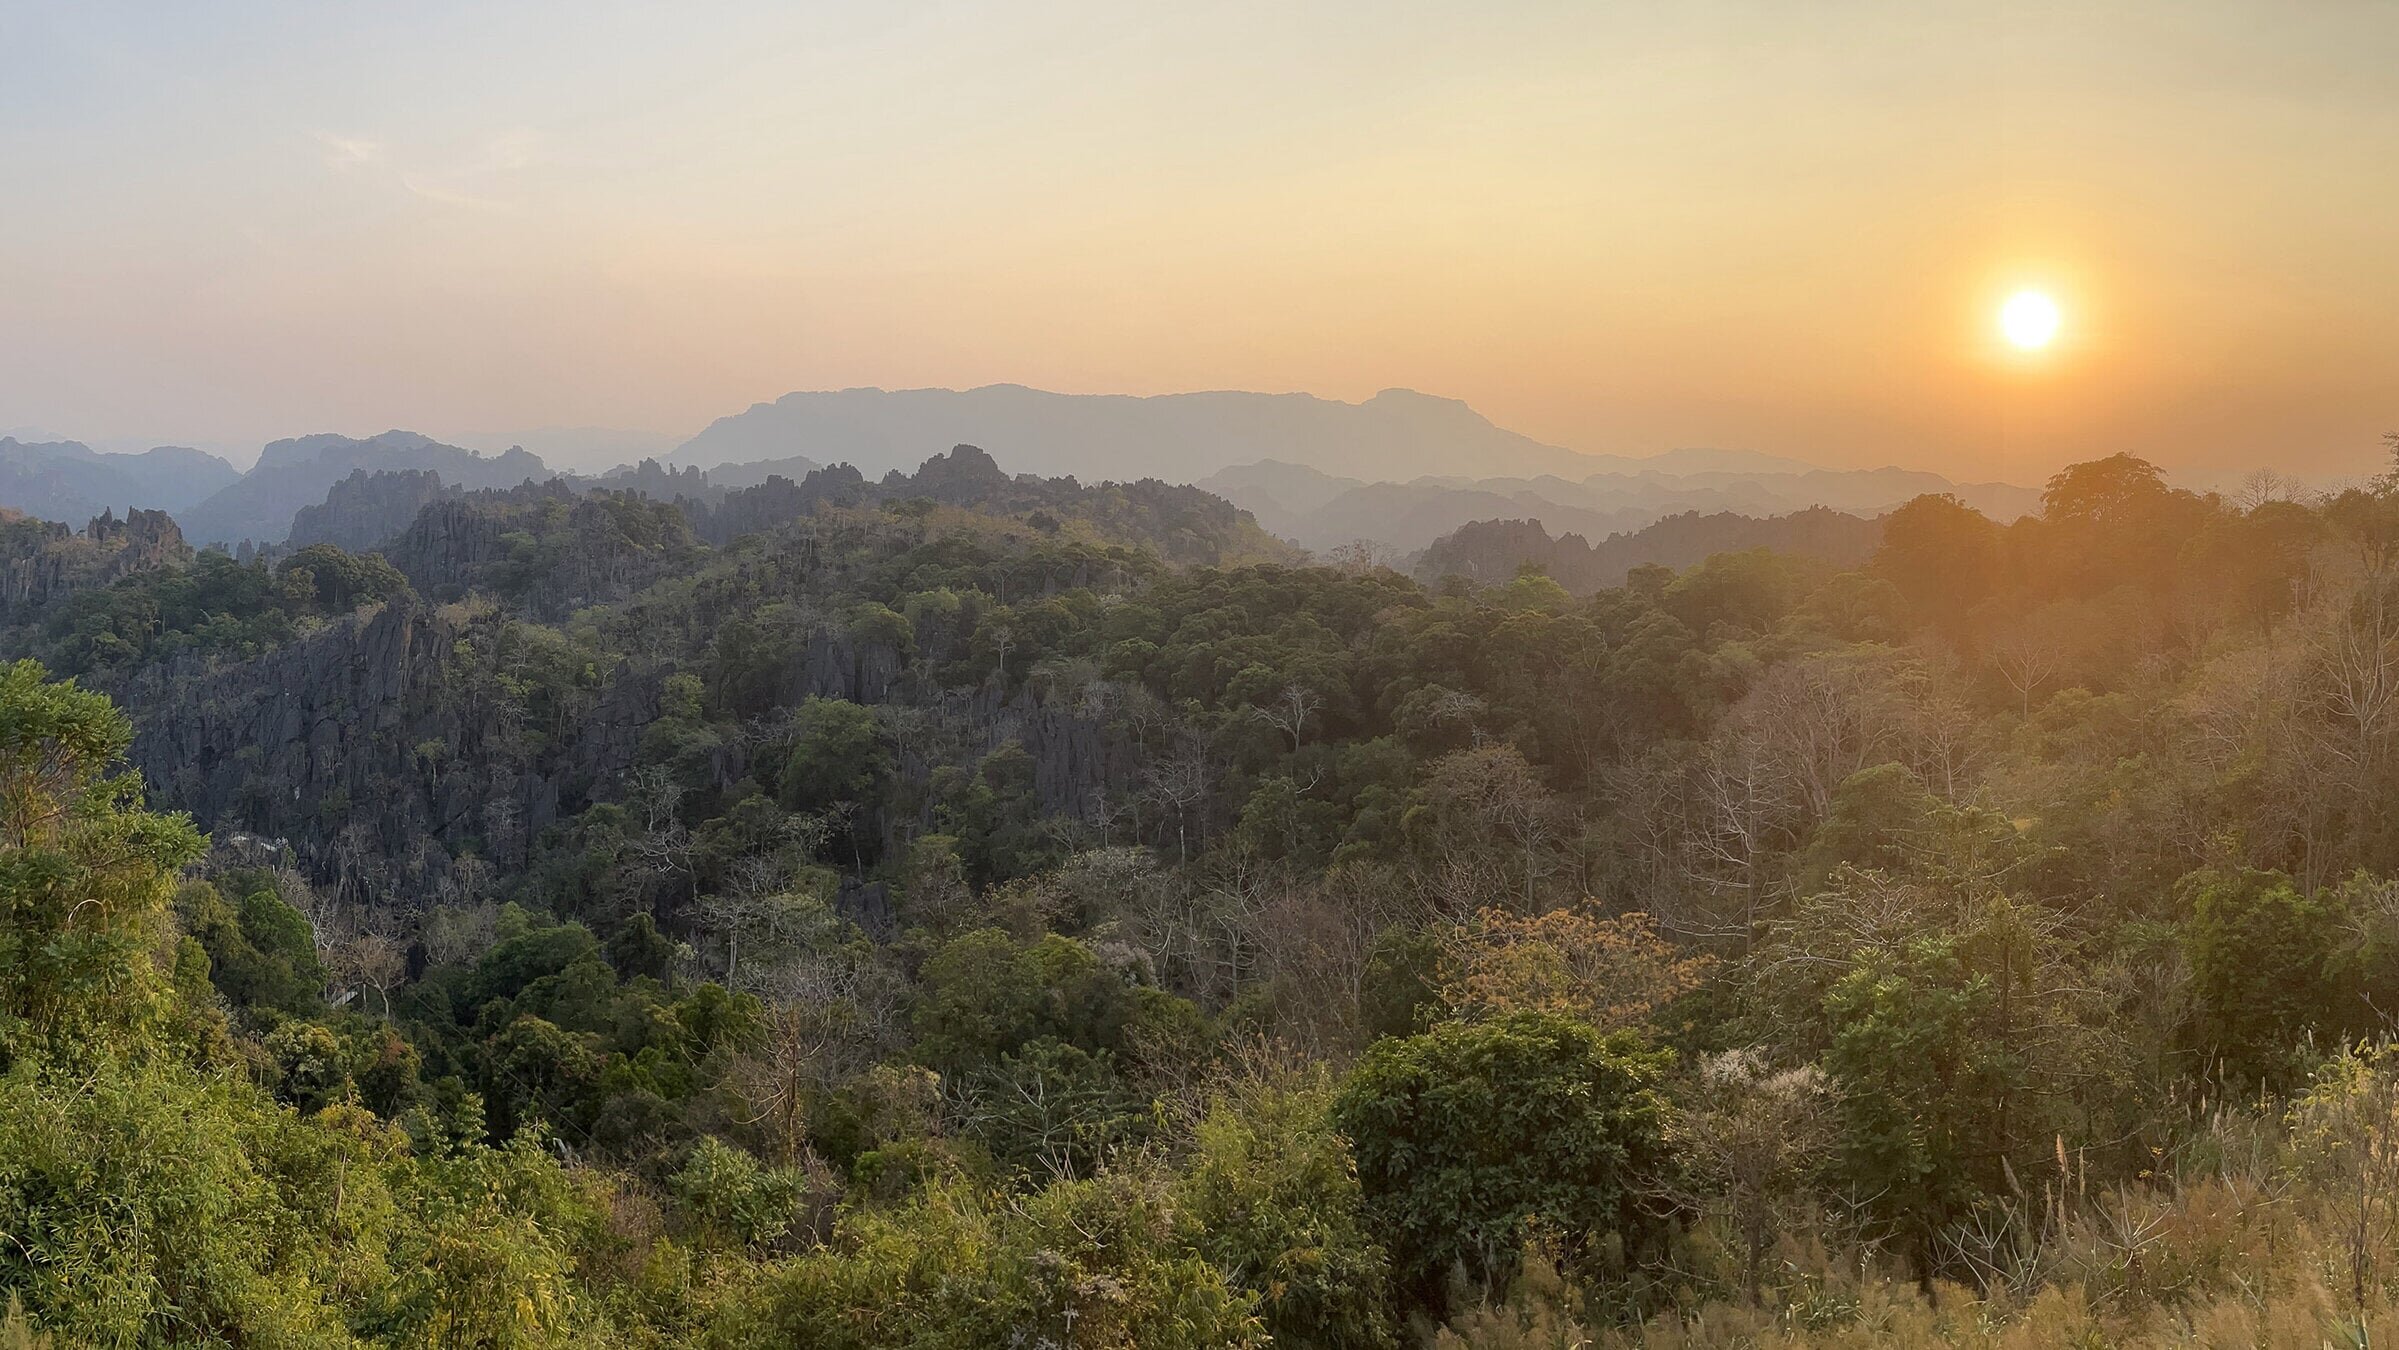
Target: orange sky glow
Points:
(1618, 228)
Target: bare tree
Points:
(328, 921)
(755, 912)
(1002, 638)
(378, 960)
(2028, 656)
(1456, 707)
(1360, 556)
(2356, 661)
(1314, 940)
(1488, 805)
(1180, 781)
(1825, 717)
(1291, 711)
(357, 866)
(1942, 738)
(1749, 806)
(458, 933)
(357, 946)
(2262, 486)
(504, 827)
(829, 1016)
(662, 843)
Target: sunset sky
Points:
(1617, 227)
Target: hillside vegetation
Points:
(1494, 550)
(965, 911)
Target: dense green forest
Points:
(971, 911)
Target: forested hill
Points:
(1489, 551)
(294, 694)
(1180, 524)
(965, 909)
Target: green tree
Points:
(984, 994)
(838, 763)
(85, 873)
(150, 1204)
(1942, 554)
(337, 581)
(1094, 1264)
(486, 1251)
(1050, 1109)
(261, 952)
(1922, 1077)
(1270, 1196)
(1473, 1135)
(2266, 970)
(735, 1198)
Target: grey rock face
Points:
(372, 749)
(42, 560)
(298, 473)
(364, 509)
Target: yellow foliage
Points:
(1609, 971)
(18, 1334)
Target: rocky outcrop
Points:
(448, 546)
(1489, 552)
(1182, 524)
(547, 547)
(833, 664)
(966, 476)
(42, 561)
(375, 745)
(662, 483)
(773, 504)
(382, 745)
(366, 508)
(297, 473)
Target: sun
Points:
(2029, 320)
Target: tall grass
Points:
(2274, 1226)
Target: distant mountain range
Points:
(732, 477)
(1490, 551)
(299, 472)
(315, 489)
(1176, 437)
(70, 481)
(1318, 472)
(1321, 511)
(585, 450)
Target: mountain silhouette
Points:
(1176, 437)
(299, 472)
(69, 481)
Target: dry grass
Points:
(2267, 1231)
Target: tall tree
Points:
(86, 874)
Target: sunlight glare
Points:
(2029, 319)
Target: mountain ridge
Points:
(1322, 511)
(299, 471)
(1120, 436)
(1320, 472)
(69, 481)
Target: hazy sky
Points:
(1619, 227)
